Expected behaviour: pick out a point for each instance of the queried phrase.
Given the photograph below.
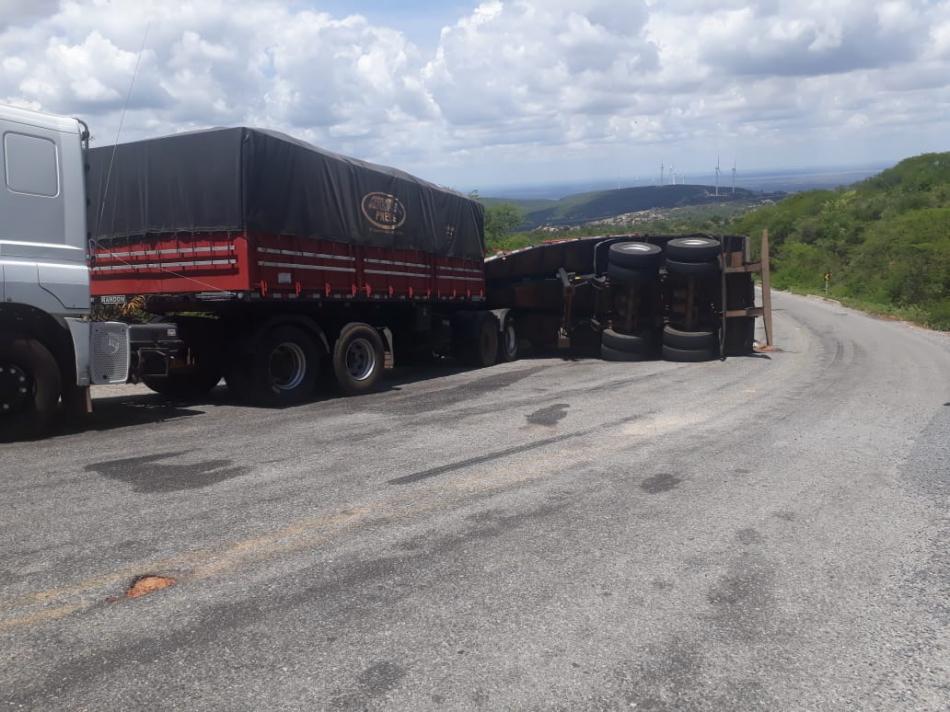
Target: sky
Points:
(503, 92)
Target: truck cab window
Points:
(30, 165)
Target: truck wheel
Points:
(184, 386)
(693, 249)
(692, 268)
(508, 343)
(634, 255)
(625, 275)
(679, 339)
(30, 386)
(358, 358)
(671, 353)
(480, 350)
(609, 354)
(281, 369)
(641, 342)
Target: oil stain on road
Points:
(549, 416)
(663, 482)
(149, 474)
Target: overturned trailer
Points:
(634, 297)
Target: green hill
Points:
(885, 241)
(585, 207)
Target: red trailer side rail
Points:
(279, 267)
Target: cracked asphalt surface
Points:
(767, 533)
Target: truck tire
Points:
(671, 353)
(30, 387)
(508, 341)
(609, 354)
(358, 358)
(625, 275)
(679, 339)
(185, 386)
(641, 342)
(477, 343)
(695, 269)
(635, 255)
(693, 249)
(280, 369)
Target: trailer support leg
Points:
(766, 291)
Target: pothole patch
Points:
(149, 583)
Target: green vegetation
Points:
(501, 219)
(885, 241)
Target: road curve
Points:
(767, 533)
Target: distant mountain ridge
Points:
(602, 204)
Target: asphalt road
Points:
(764, 533)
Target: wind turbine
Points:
(662, 173)
(717, 174)
(733, 176)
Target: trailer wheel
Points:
(690, 340)
(30, 386)
(693, 249)
(625, 275)
(641, 342)
(671, 353)
(694, 269)
(634, 255)
(508, 343)
(281, 368)
(482, 350)
(609, 354)
(358, 358)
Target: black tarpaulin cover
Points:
(251, 180)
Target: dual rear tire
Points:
(358, 359)
(693, 256)
(476, 339)
(283, 365)
(617, 346)
(633, 263)
(690, 346)
(280, 367)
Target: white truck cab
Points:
(50, 352)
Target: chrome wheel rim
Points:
(360, 359)
(287, 366)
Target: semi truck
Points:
(247, 255)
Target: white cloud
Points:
(514, 88)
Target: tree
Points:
(500, 221)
